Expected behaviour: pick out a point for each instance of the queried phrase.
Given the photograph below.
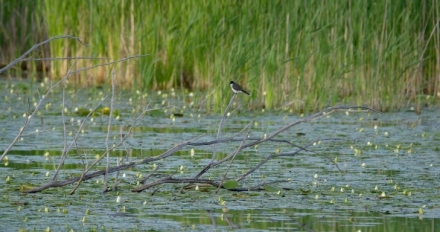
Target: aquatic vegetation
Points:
(279, 164)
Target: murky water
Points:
(361, 171)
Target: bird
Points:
(237, 88)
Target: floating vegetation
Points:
(322, 176)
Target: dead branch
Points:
(213, 183)
(83, 175)
(21, 58)
(44, 96)
(69, 73)
(109, 63)
(76, 136)
(65, 151)
(219, 183)
(196, 179)
(233, 157)
(220, 125)
(270, 156)
(109, 124)
(66, 58)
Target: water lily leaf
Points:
(115, 113)
(271, 188)
(26, 187)
(156, 113)
(230, 184)
(239, 195)
(82, 112)
(305, 191)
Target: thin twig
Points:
(66, 58)
(115, 185)
(270, 156)
(233, 157)
(29, 118)
(109, 129)
(75, 138)
(210, 165)
(19, 59)
(109, 63)
(83, 175)
(220, 125)
(315, 116)
(65, 151)
(143, 180)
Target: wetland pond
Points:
(361, 171)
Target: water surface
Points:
(361, 171)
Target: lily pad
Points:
(230, 184)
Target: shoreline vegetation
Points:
(292, 55)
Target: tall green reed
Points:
(21, 26)
(293, 55)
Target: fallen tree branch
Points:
(213, 183)
(219, 183)
(191, 143)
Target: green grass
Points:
(303, 55)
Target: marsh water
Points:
(360, 171)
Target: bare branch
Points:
(109, 63)
(110, 116)
(66, 58)
(220, 125)
(233, 157)
(19, 59)
(63, 157)
(131, 164)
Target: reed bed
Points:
(20, 28)
(291, 55)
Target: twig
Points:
(259, 186)
(270, 156)
(29, 118)
(67, 58)
(108, 130)
(83, 175)
(175, 181)
(233, 157)
(65, 150)
(109, 63)
(210, 165)
(231, 224)
(315, 116)
(220, 125)
(46, 94)
(211, 217)
(63, 119)
(115, 185)
(75, 138)
(19, 59)
(214, 183)
(142, 181)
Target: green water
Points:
(388, 176)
